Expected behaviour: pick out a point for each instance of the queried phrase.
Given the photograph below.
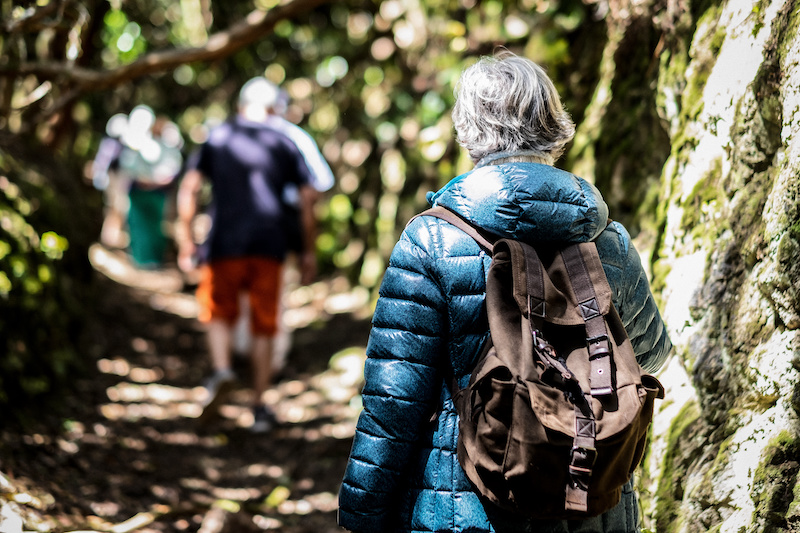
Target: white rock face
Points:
(756, 337)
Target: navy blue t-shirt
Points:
(249, 164)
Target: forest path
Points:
(132, 456)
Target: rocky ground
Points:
(132, 456)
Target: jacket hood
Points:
(530, 202)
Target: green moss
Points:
(699, 218)
(759, 402)
(717, 38)
(758, 11)
(793, 512)
(794, 231)
(774, 490)
(705, 57)
(699, 7)
(672, 67)
(748, 221)
(790, 28)
(653, 219)
(704, 490)
(660, 270)
(674, 467)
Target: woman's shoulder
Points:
(439, 239)
(614, 245)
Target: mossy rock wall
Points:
(721, 235)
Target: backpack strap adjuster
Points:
(600, 359)
(582, 460)
(583, 454)
(582, 457)
(599, 347)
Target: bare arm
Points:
(188, 193)
(308, 260)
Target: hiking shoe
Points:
(263, 419)
(217, 388)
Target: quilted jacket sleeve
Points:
(401, 387)
(633, 298)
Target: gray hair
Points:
(259, 91)
(507, 103)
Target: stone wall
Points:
(723, 241)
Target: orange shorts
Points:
(222, 280)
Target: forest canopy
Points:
(371, 81)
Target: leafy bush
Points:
(40, 279)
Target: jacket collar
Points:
(528, 201)
(522, 156)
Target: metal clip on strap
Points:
(600, 360)
(582, 458)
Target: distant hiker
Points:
(322, 180)
(136, 165)
(430, 322)
(249, 166)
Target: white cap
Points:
(259, 91)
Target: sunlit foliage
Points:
(36, 306)
(365, 77)
(372, 81)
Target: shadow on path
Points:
(132, 456)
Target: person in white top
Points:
(277, 102)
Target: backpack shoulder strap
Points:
(458, 221)
(478, 236)
(597, 336)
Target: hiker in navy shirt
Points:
(430, 321)
(323, 180)
(249, 165)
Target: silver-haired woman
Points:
(403, 473)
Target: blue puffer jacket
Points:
(403, 474)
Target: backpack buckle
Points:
(583, 457)
(599, 347)
(600, 378)
(581, 461)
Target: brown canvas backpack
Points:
(555, 417)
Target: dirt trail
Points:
(132, 456)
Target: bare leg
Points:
(283, 337)
(262, 366)
(221, 381)
(219, 344)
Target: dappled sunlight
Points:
(183, 305)
(142, 397)
(116, 266)
(159, 394)
(121, 367)
(140, 459)
(342, 430)
(324, 501)
(235, 494)
(138, 411)
(295, 401)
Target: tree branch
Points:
(222, 44)
(33, 16)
